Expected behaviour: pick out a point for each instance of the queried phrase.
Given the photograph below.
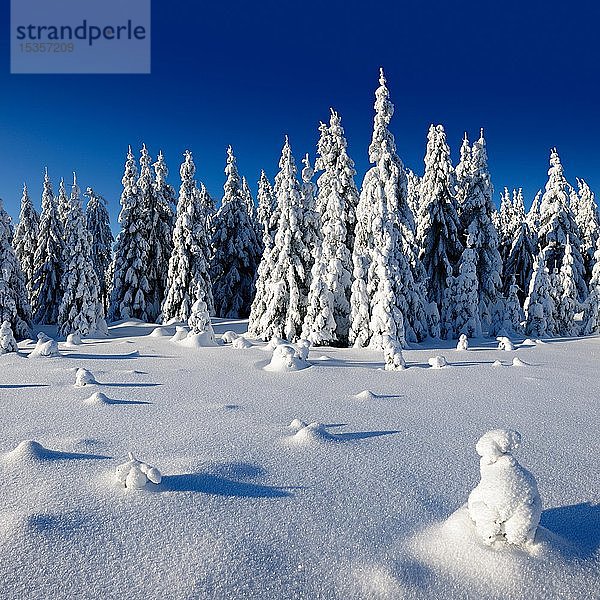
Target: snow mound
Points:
(504, 343)
(287, 358)
(241, 343)
(181, 332)
(84, 377)
(463, 342)
(205, 339)
(297, 424)
(229, 336)
(392, 354)
(528, 342)
(274, 342)
(98, 398)
(7, 339)
(311, 434)
(505, 506)
(540, 342)
(162, 332)
(28, 451)
(498, 363)
(46, 347)
(366, 395)
(438, 362)
(303, 347)
(135, 474)
(517, 362)
(101, 328)
(323, 357)
(73, 339)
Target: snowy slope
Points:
(370, 507)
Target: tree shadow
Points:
(578, 523)
(128, 385)
(225, 480)
(18, 386)
(113, 401)
(360, 435)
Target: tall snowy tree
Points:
(569, 304)
(130, 284)
(280, 308)
(189, 265)
(159, 201)
(476, 218)
(413, 198)
(388, 298)
(557, 223)
(14, 305)
(81, 307)
(513, 313)
(506, 224)
(249, 199)
(438, 233)
(46, 289)
(328, 315)
(539, 307)
(533, 216)
(519, 262)
(591, 317)
(463, 173)
(25, 239)
(98, 226)
(236, 249)
(267, 210)
(588, 221)
(62, 202)
(519, 214)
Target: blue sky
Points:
(247, 73)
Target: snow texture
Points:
(287, 358)
(438, 362)
(45, 347)
(135, 474)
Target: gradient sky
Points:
(246, 74)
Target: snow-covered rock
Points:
(135, 474)
(286, 358)
(505, 343)
(73, 339)
(45, 346)
(7, 339)
(463, 342)
(505, 506)
(229, 336)
(84, 377)
(437, 362)
(241, 343)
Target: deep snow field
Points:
(368, 506)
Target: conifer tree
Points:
(438, 233)
(328, 315)
(463, 174)
(505, 224)
(236, 249)
(413, 181)
(189, 265)
(533, 217)
(519, 262)
(267, 210)
(519, 214)
(81, 307)
(591, 316)
(557, 223)
(14, 305)
(513, 313)
(588, 221)
(98, 226)
(62, 202)
(25, 239)
(568, 304)
(130, 284)
(249, 199)
(539, 307)
(49, 264)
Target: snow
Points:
(241, 343)
(73, 339)
(229, 336)
(287, 358)
(504, 343)
(135, 474)
(45, 347)
(437, 362)
(365, 395)
(463, 342)
(373, 509)
(84, 377)
(517, 362)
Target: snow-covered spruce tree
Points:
(519, 214)
(463, 173)
(14, 305)
(7, 339)
(328, 314)
(556, 296)
(568, 304)
(519, 262)
(476, 219)
(281, 307)
(46, 289)
(249, 199)
(557, 223)
(130, 284)
(533, 217)
(81, 306)
(159, 200)
(413, 197)
(388, 297)
(539, 306)
(267, 210)
(98, 226)
(464, 297)
(506, 223)
(25, 238)
(62, 202)
(591, 316)
(587, 218)
(513, 313)
(208, 206)
(189, 266)
(236, 249)
(438, 233)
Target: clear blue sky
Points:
(247, 73)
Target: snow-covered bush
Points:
(287, 357)
(463, 342)
(241, 343)
(7, 340)
(45, 346)
(505, 505)
(181, 332)
(229, 336)
(392, 354)
(303, 348)
(438, 362)
(135, 474)
(505, 343)
(84, 377)
(73, 339)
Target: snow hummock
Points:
(45, 346)
(181, 332)
(498, 363)
(229, 336)
(437, 362)
(205, 339)
(135, 475)
(74, 339)
(505, 506)
(517, 362)
(274, 342)
(310, 434)
(98, 398)
(84, 377)
(463, 342)
(297, 424)
(28, 451)
(287, 358)
(241, 343)
(365, 395)
(162, 331)
(7, 339)
(505, 343)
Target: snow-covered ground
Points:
(368, 504)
